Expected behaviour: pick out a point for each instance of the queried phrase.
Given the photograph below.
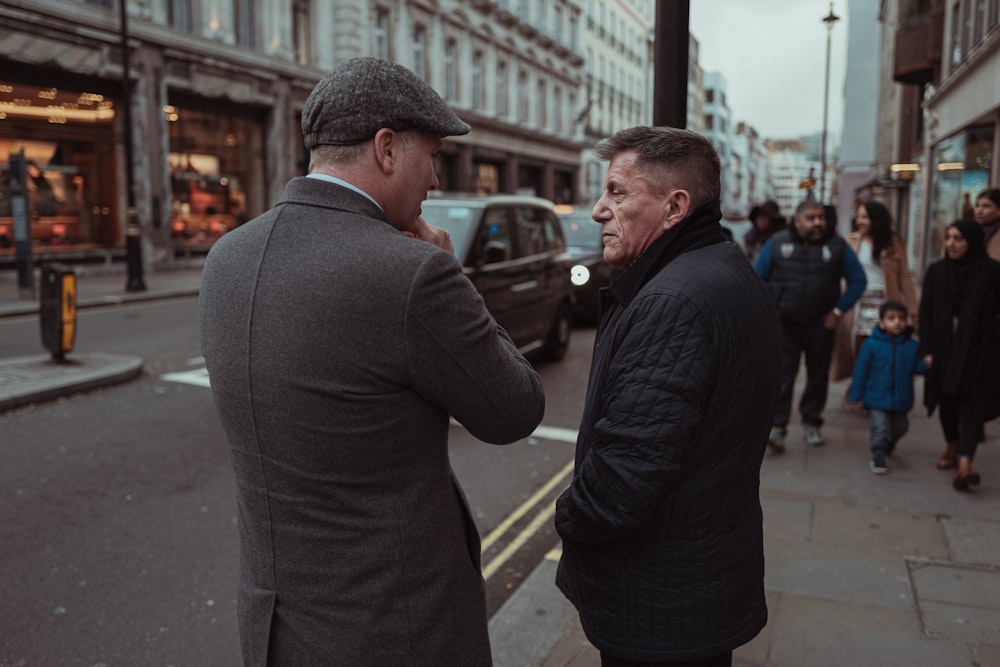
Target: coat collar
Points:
(701, 228)
(324, 194)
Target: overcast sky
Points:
(772, 54)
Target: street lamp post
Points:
(133, 231)
(829, 20)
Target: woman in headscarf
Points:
(960, 343)
(987, 214)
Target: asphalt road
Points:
(118, 541)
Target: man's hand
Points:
(431, 234)
(929, 360)
(830, 320)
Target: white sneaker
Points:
(813, 436)
(776, 440)
(878, 468)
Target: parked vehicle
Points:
(512, 249)
(589, 272)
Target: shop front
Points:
(216, 170)
(961, 168)
(67, 139)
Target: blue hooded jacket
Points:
(883, 373)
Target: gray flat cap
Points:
(363, 95)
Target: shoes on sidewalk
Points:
(776, 440)
(877, 464)
(965, 476)
(813, 436)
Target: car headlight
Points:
(579, 275)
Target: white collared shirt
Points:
(341, 182)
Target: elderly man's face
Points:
(810, 223)
(631, 209)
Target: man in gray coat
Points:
(339, 335)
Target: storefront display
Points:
(67, 139)
(215, 172)
(960, 170)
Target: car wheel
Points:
(558, 339)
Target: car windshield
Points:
(459, 220)
(581, 231)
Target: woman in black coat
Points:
(960, 343)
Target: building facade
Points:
(618, 83)
(944, 111)
(216, 92)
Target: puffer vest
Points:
(805, 277)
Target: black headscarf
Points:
(957, 271)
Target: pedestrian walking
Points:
(987, 214)
(883, 381)
(803, 267)
(340, 334)
(960, 343)
(661, 525)
(766, 219)
(887, 276)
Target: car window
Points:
(533, 237)
(553, 232)
(582, 232)
(493, 242)
(459, 221)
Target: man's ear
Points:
(386, 148)
(676, 207)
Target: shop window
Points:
(68, 142)
(215, 172)
(961, 170)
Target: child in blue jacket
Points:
(883, 380)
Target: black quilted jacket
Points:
(661, 526)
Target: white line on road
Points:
(198, 376)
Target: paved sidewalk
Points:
(862, 570)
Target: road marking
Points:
(198, 377)
(516, 515)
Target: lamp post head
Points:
(830, 18)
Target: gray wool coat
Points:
(337, 348)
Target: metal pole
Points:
(133, 230)
(670, 63)
(829, 19)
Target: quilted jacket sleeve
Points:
(657, 383)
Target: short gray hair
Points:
(328, 154)
(680, 158)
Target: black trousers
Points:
(960, 424)
(724, 660)
(816, 342)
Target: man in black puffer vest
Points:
(663, 551)
(803, 266)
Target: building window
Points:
(522, 10)
(542, 104)
(179, 14)
(558, 108)
(477, 80)
(522, 96)
(557, 31)
(100, 3)
(450, 70)
(301, 27)
(245, 23)
(573, 29)
(502, 89)
(709, 96)
(420, 52)
(381, 34)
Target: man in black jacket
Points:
(661, 525)
(803, 266)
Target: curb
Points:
(34, 379)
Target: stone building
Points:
(217, 88)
